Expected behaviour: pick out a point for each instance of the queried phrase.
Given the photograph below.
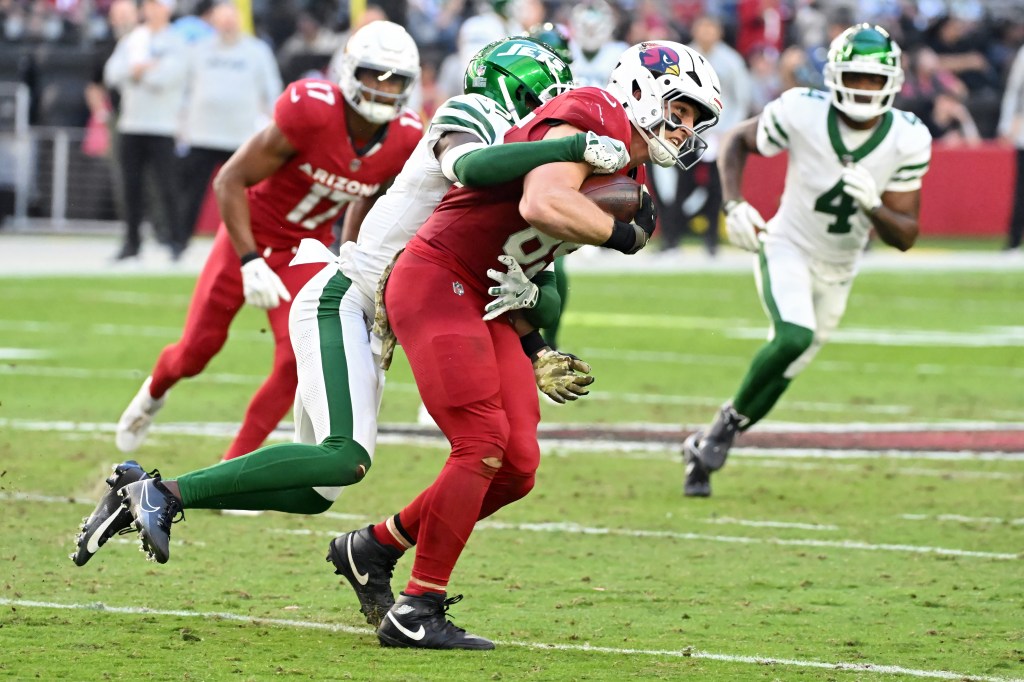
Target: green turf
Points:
(860, 583)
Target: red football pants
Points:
(217, 299)
(479, 387)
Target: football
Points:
(617, 195)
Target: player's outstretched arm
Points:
(475, 165)
(559, 376)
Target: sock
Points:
(391, 533)
(283, 468)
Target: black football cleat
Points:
(154, 509)
(717, 441)
(697, 481)
(368, 566)
(108, 518)
(420, 623)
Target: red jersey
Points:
(305, 195)
(472, 227)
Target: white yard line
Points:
(577, 529)
(959, 518)
(688, 652)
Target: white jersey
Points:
(815, 213)
(595, 72)
(417, 190)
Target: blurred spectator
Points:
(148, 67)
(594, 52)
(698, 191)
(232, 84)
(476, 32)
(310, 37)
(958, 42)
(765, 84)
(796, 71)
(371, 14)
(196, 26)
(434, 24)
(937, 97)
(1011, 130)
(759, 23)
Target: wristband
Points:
(623, 237)
(533, 343)
(249, 257)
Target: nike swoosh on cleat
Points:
(93, 545)
(418, 635)
(144, 504)
(363, 578)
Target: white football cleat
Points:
(133, 427)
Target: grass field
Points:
(807, 564)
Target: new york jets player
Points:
(855, 164)
(340, 383)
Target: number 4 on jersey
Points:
(836, 202)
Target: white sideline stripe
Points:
(585, 648)
(859, 468)
(120, 330)
(23, 354)
(662, 357)
(725, 520)
(739, 329)
(961, 519)
(637, 398)
(574, 528)
(560, 527)
(550, 447)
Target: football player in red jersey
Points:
(329, 146)
(472, 374)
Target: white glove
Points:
(514, 290)
(262, 287)
(744, 225)
(605, 154)
(858, 183)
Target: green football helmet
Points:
(863, 49)
(554, 36)
(518, 73)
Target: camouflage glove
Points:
(381, 326)
(561, 376)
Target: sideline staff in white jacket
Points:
(232, 83)
(148, 68)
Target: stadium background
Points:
(53, 48)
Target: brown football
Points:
(617, 195)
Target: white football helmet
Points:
(592, 25)
(386, 48)
(864, 49)
(651, 75)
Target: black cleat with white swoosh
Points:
(109, 518)
(368, 566)
(154, 509)
(420, 623)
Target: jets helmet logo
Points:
(659, 59)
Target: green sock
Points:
(284, 468)
(765, 382)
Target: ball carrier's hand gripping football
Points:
(630, 204)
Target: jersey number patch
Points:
(836, 202)
(533, 249)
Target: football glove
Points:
(561, 376)
(605, 154)
(381, 325)
(261, 285)
(858, 183)
(743, 225)
(514, 290)
(646, 217)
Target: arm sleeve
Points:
(549, 304)
(504, 162)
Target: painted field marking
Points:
(728, 521)
(574, 528)
(688, 652)
(959, 518)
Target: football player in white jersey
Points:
(855, 164)
(594, 53)
(340, 382)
